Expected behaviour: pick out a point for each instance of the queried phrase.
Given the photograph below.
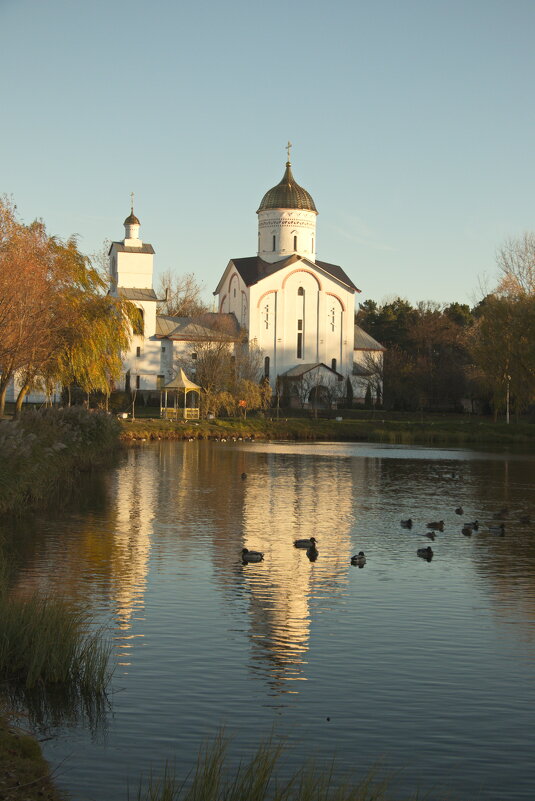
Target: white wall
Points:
(276, 306)
(286, 226)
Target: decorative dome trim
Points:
(287, 195)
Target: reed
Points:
(45, 643)
(256, 780)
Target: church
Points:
(297, 310)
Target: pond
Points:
(424, 668)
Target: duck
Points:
(467, 531)
(438, 524)
(459, 510)
(406, 523)
(312, 553)
(473, 526)
(431, 535)
(251, 556)
(359, 559)
(310, 543)
(498, 529)
(425, 553)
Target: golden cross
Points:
(288, 148)
(132, 198)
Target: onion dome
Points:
(132, 219)
(287, 195)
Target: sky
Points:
(412, 128)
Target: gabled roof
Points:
(133, 293)
(253, 269)
(300, 370)
(364, 341)
(209, 326)
(144, 248)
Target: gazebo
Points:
(179, 384)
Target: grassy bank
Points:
(42, 453)
(407, 430)
(24, 774)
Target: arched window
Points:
(273, 241)
(266, 367)
(300, 291)
(295, 243)
(333, 365)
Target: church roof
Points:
(253, 269)
(144, 248)
(300, 370)
(287, 195)
(133, 293)
(364, 341)
(131, 219)
(208, 326)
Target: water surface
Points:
(425, 667)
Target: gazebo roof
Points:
(181, 381)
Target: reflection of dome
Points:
(287, 195)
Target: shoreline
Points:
(396, 432)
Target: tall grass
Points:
(42, 452)
(45, 643)
(256, 780)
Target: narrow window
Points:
(127, 381)
(234, 292)
(333, 364)
(138, 382)
(301, 292)
(266, 367)
(299, 325)
(138, 351)
(273, 241)
(193, 356)
(163, 348)
(295, 243)
(160, 380)
(138, 325)
(300, 345)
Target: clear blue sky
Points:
(412, 124)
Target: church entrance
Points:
(319, 398)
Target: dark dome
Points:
(132, 219)
(287, 195)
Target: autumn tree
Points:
(503, 347)
(61, 327)
(516, 263)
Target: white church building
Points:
(299, 311)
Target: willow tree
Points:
(57, 324)
(95, 327)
